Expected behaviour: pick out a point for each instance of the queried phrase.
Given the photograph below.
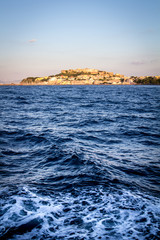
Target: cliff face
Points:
(34, 81)
(86, 76)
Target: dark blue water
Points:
(80, 162)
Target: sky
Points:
(42, 37)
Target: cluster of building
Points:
(88, 76)
(80, 76)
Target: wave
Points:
(89, 158)
(94, 213)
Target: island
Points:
(88, 76)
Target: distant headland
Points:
(89, 76)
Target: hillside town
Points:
(88, 76)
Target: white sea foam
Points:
(93, 214)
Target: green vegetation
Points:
(28, 80)
(43, 79)
(72, 74)
(106, 83)
(34, 80)
(147, 81)
(122, 80)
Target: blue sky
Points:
(41, 37)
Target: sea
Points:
(80, 162)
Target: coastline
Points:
(87, 76)
(78, 85)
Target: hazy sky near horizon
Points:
(41, 37)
